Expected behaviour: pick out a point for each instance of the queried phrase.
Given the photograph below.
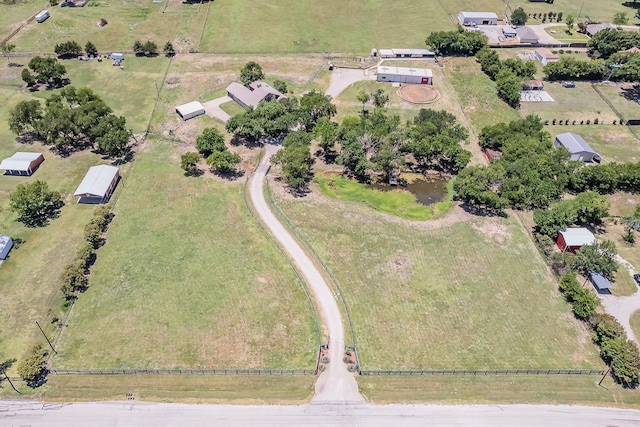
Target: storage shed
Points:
(405, 75)
(601, 283)
(22, 163)
(5, 246)
(117, 56)
(509, 32)
(406, 53)
(576, 145)
(478, 18)
(42, 16)
(573, 239)
(545, 56)
(190, 110)
(98, 184)
(527, 35)
(492, 155)
(533, 85)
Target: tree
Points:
(73, 278)
(314, 105)
(599, 257)
(508, 86)
(620, 18)
(251, 72)
(363, 98)
(380, 98)
(32, 369)
(34, 203)
(169, 51)
(7, 48)
(559, 17)
(150, 48)
(280, 86)
(456, 42)
(111, 135)
(569, 20)
(138, 47)
(189, 162)
(386, 159)
(223, 161)
(210, 140)
(25, 116)
(68, 49)
(295, 159)
(90, 49)
(519, 17)
(327, 132)
(47, 70)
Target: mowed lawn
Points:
(187, 278)
(244, 26)
(613, 143)
(473, 294)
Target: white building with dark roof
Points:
(576, 145)
(98, 184)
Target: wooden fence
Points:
(278, 372)
(489, 372)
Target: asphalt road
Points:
(335, 384)
(167, 414)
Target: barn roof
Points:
(4, 241)
(600, 281)
(578, 237)
(526, 33)
(479, 15)
(574, 143)
(423, 72)
(190, 108)
(254, 94)
(20, 161)
(544, 52)
(97, 181)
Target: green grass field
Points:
(188, 279)
(623, 98)
(595, 10)
(613, 143)
(561, 33)
(471, 294)
(635, 323)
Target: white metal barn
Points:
(5, 246)
(406, 53)
(98, 184)
(405, 75)
(22, 163)
(190, 110)
(478, 18)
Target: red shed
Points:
(573, 239)
(492, 155)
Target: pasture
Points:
(613, 143)
(453, 293)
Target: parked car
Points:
(636, 277)
(569, 84)
(597, 158)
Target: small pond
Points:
(427, 190)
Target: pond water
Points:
(427, 191)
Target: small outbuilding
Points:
(533, 85)
(5, 246)
(545, 56)
(527, 35)
(406, 53)
(478, 18)
(98, 184)
(601, 283)
(42, 16)
(492, 155)
(576, 145)
(509, 32)
(190, 110)
(117, 56)
(572, 239)
(22, 163)
(405, 75)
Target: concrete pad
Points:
(212, 108)
(535, 96)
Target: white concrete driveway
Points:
(212, 108)
(342, 78)
(622, 308)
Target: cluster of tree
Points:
(557, 16)
(508, 74)
(519, 17)
(35, 204)
(32, 370)
(530, 174)
(568, 68)
(74, 276)
(631, 225)
(210, 143)
(609, 41)
(616, 350)
(584, 302)
(251, 72)
(586, 208)
(295, 159)
(71, 49)
(147, 48)
(605, 178)
(379, 98)
(456, 42)
(45, 71)
(72, 119)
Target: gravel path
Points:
(335, 384)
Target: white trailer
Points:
(42, 16)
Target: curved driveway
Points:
(335, 384)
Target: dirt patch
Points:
(418, 94)
(492, 228)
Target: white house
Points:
(478, 18)
(190, 110)
(576, 145)
(5, 246)
(405, 75)
(98, 184)
(22, 163)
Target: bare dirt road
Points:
(335, 384)
(166, 414)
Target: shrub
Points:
(346, 359)
(596, 121)
(588, 121)
(561, 51)
(615, 122)
(324, 359)
(566, 122)
(560, 122)
(32, 369)
(581, 122)
(568, 51)
(553, 122)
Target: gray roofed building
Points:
(527, 35)
(576, 145)
(5, 246)
(593, 29)
(190, 110)
(252, 95)
(478, 18)
(602, 284)
(98, 184)
(406, 53)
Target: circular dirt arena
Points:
(418, 94)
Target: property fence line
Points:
(278, 372)
(487, 372)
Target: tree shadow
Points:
(230, 175)
(194, 173)
(632, 4)
(631, 93)
(40, 380)
(42, 218)
(14, 65)
(237, 141)
(477, 210)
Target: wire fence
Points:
(278, 372)
(487, 372)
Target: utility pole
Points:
(607, 373)
(6, 377)
(46, 338)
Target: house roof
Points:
(574, 143)
(595, 28)
(479, 15)
(252, 95)
(190, 108)
(20, 161)
(546, 53)
(600, 281)
(97, 181)
(422, 72)
(534, 83)
(578, 237)
(526, 33)
(509, 30)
